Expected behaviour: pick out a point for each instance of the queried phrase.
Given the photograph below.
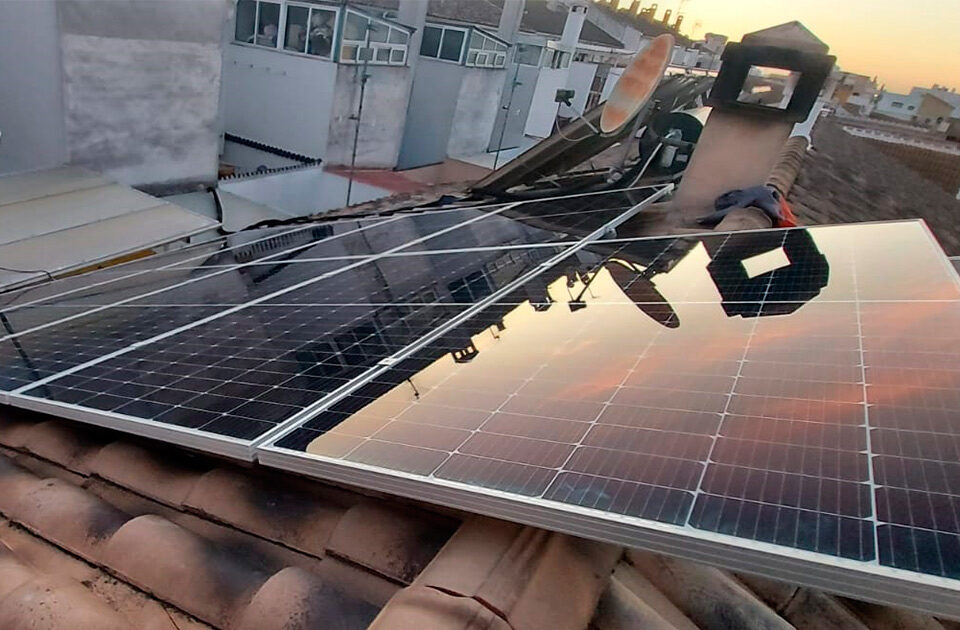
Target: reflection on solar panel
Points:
(799, 421)
(216, 352)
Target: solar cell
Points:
(788, 418)
(264, 341)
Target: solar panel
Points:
(781, 402)
(219, 360)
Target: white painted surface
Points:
(579, 80)
(278, 98)
(886, 107)
(31, 101)
(303, 192)
(543, 109)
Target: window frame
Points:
(443, 28)
(281, 19)
(539, 55)
(312, 7)
(360, 45)
(494, 58)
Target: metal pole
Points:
(506, 116)
(356, 131)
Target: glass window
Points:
(383, 54)
(476, 40)
(528, 54)
(452, 46)
(246, 21)
(500, 60)
(378, 32)
(489, 44)
(348, 52)
(472, 58)
(295, 36)
(268, 24)
(430, 44)
(397, 36)
(398, 55)
(320, 34)
(355, 29)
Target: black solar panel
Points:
(787, 391)
(305, 343)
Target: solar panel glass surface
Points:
(787, 390)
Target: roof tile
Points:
(289, 515)
(64, 514)
(711, 598)
(294, 599)
(428, 608)
(533, 578)
(152, 474)
(632, 601)
(180, 567)
(392, 541)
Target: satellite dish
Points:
(636, 84)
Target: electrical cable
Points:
(43, 271)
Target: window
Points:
(558, 59)
(373, 40)
(486, 51)
(529, 54)
(258, 23)
(443, 42)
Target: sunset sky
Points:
(904, 43)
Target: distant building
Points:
(855, 92)
(900, 106)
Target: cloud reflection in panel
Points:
(725, 383)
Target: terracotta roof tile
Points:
(632, 601)
(294, 599)
(392, 541)
(530, 577)
(711, 598)
(431, 609)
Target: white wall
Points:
(277, 98)
(141, 88)
(302, 192)
(476, 113)
(31, 102)
(543, 109)
(384, 116)
(887, 99)
(579, 80)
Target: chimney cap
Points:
(788, 35)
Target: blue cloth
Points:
(763, 197)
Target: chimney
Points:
(635, 7)
(572, 26)
(756, 133)
(666, 16)
(676, 25)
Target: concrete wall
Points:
(384, 114)
(141, 88)
(887, 99)
(477, 107)
(277, 98)
(31, 102)
(579, 80)
(543, 109)
(429, 116)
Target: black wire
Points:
(43, 271)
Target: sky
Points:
(902, 42)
